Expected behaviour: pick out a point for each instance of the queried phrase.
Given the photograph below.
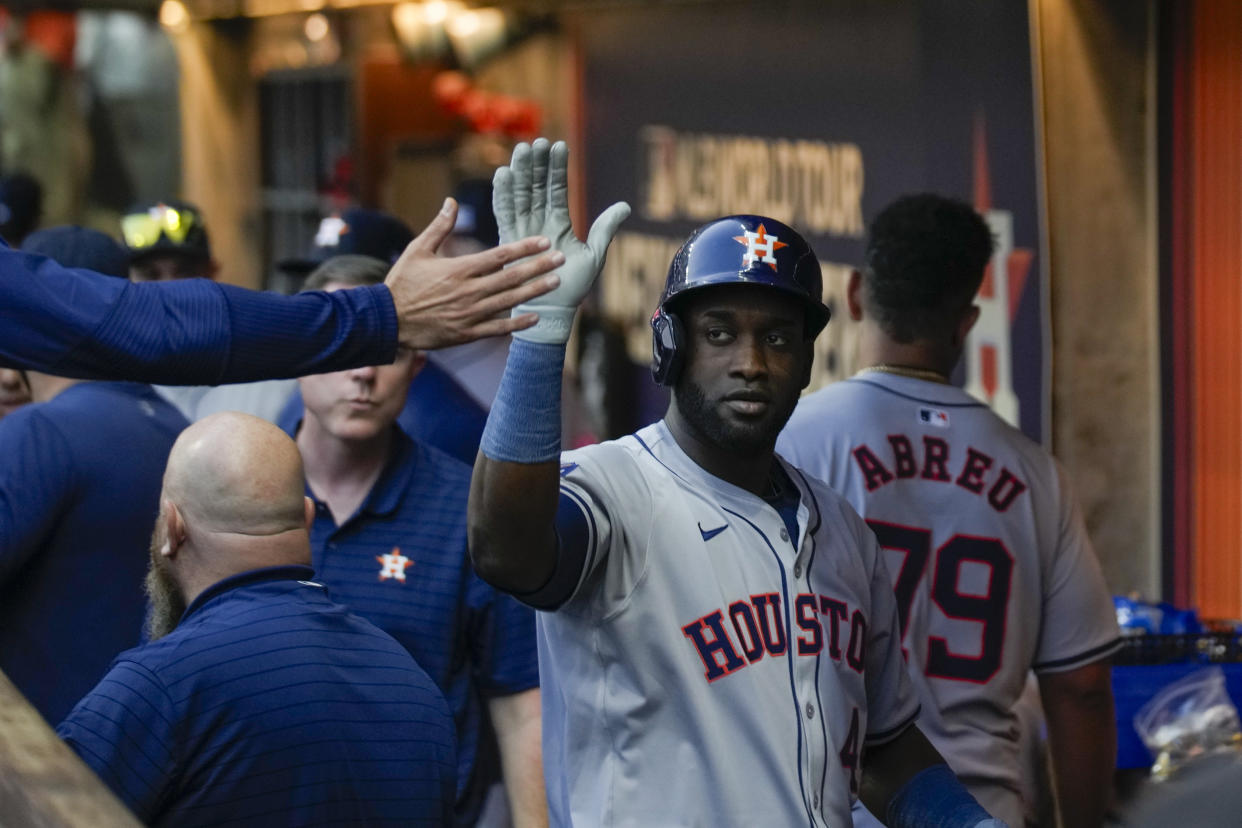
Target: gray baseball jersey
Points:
(992, 568)
(709, 669)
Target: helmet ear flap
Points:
(667, 345)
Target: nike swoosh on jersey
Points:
(708, 534)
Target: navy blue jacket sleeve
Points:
(36, 485)
(76, 323)
(123, 729)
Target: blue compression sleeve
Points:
(935, 798)
(524, 425)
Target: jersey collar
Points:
(254, 576)
(388, 490)
(912, 388)
(663, 446)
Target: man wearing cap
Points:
(79, 487)
(167, 240)
(717, 635)
(438, 410)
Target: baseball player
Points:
(991, 566)
(718, 643)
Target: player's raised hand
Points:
(448, 301)
(531, 197)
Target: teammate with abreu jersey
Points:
(718, 638)
(991, 565)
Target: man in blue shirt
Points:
(79, 486)
(197, 332)
(259, 701)
(389, 540)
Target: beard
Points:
(747, 439)
(167, 599)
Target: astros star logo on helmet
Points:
(760, 247)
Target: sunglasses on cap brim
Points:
(143, 230)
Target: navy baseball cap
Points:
(358, 231)
(73, 246)
(165, 227)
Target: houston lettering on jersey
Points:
(973, 472)
(729, 639)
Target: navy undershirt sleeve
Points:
(76, 323)
(573, 545)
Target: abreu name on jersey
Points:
(974, 471)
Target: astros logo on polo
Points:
(760, 247)
(394, 564)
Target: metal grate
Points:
(306, 131)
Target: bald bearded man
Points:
(259, 700)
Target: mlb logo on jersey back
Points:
(934, 417)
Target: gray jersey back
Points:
(992, 568)
(710, 669)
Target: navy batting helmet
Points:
(741, 250)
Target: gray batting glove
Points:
(531, 197)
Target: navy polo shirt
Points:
(270, 705)
(401, 562)
(438, 412)
(80, 479)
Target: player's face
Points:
(746, 364)
(361, 403)
(14, 392)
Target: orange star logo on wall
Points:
(760, 247)
(394, 565)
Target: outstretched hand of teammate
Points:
(531, 197)
(447, 301)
